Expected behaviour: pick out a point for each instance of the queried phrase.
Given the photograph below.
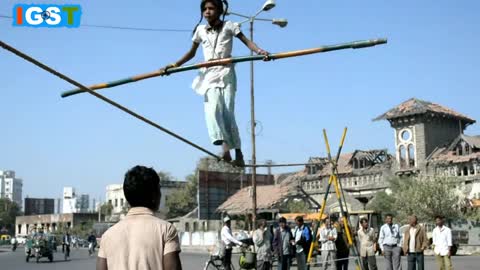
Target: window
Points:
(472, 170)
(121, 202)
(187, 227)
(406, 135)
(110, 202)
(116, 202)
(411, 155)
(467, 149)
(465, 171)
(195, 226)
(403, 156)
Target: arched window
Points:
(411, 155)
(403, 156)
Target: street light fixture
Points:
(268, 5)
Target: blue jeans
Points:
(415, 261)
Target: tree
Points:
(425, 197)
(299, 206)
(106, 209)
(184, 200)
(8, 212)
(383, 203)
(165, 177)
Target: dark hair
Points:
(299, 219)
(389, 215)
(218, 4)
(142, 187)
(282, 220)
(439, 217)
(362, 220)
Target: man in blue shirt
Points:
(389, 242)
(302, 241)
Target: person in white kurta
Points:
(218, 84)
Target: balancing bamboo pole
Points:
(227, 61)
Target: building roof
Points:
(345, 166)
(448, 153)
(268, 197)
(415, 106)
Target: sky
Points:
(432, 54)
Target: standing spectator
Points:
(414, 243)
(262, 239)
(66, 242)
(281, 244)
(328, 236)
(442, 242)
(343, 251)
(366, 236)
(141, 241)
(389, 242)
(302, 241)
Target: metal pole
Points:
(252, 127)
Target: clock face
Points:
(405, 135)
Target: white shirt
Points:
(442, 240)
(411, 244)
(215, 45)
(228, 238)
(325, 233)
(389, 235)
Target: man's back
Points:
(139, 241)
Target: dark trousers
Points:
(415, 261)
(342, 263)
(227, 259)
(369, 263)
(284, 262)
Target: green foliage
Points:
(106, 209)
(183, 201)
(425, 197)
(8, 211)
(297, 206)
(383, 203)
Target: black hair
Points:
(439, 217)
(218, 4)
(282, 220)
(389, 215)
(142, 187)
(362, 220)
(299, 219)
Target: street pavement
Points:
(190, 261)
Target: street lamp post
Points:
(269, 4)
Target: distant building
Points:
(429, 141)
(11, 187)
(73, 203)
(83, 203)
(69, 200)
(36, 206)
(116, 198)
(52, 223)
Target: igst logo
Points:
(47, 15)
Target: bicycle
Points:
(215, 262)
